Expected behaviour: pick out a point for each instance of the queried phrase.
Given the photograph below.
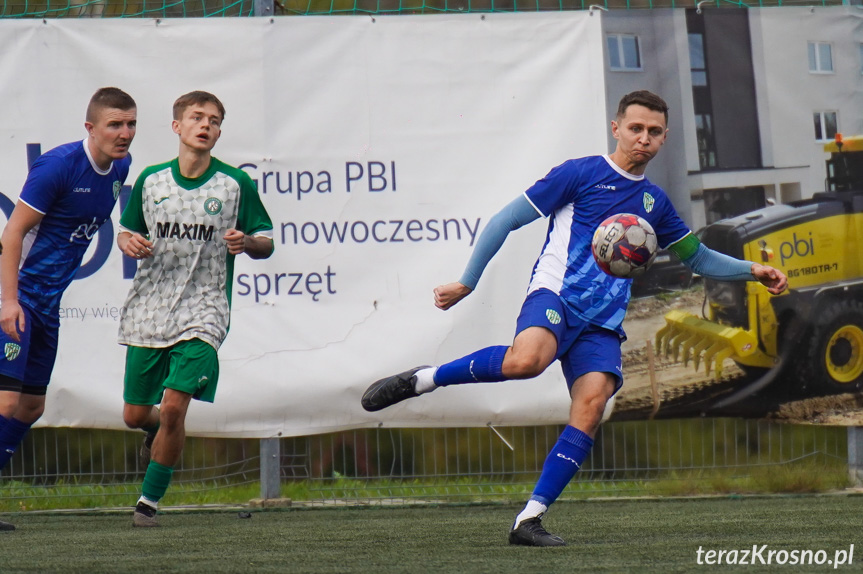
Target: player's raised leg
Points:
(533, 350)
(489, 365)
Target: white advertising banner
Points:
(380, 146)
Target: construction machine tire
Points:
(835, 352)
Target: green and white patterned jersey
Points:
(183, 291)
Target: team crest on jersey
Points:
(117, 187)
(12, 350)
(213, 205)
(648, 202)
(553, 316)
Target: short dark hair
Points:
(642, 98)
(196, 98)
(108, 98)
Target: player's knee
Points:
(171, 417)
(596, 404)
(30, 408)
(524, 366)
(30, 414)
(132, 421)
(135, 416)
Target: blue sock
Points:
(483, 366)
(564, 460)
(10, 437)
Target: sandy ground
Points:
(637, 401)
(839, 410)
(646, 316)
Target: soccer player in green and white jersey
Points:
(186, 221)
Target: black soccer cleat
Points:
(531, 533)
(391, 390)
(5, 526)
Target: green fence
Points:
(83, 468)
(229, 8)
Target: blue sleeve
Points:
(517, 213)
(44, 183)
(558, 188)
(715, 265)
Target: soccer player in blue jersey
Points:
(69, 193)
(573, 311)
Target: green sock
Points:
(156, 480)
(151, 430)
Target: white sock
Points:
(425, 380)
(148, 502)
(533, 509)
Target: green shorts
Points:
(189, 366)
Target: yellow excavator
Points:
(811, 335)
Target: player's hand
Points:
(772, 278)
(236, 241)
(135, 245)
(12, 319)
(445, 296)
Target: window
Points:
(623, 53)
(728, 202)
(820, 57)
(825, 125)
(704, 137)
(697, 64)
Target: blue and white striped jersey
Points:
(577, 196)
(76, 198)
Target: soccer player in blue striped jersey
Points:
(573, 311)
(69, 193)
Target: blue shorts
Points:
(581, 346)
(31, 360)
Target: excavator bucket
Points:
(692, 338)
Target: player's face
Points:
(111, 134)
(639, 134)
(200, 127)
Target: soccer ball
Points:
(624, 245)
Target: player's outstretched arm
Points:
(516, 214)
(445, 296)
(715, 265)
(772, 278)
(255, 246)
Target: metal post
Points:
(263, 7)
(855, 455)
(271, 468)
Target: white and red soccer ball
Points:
(624, 245)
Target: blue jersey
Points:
(76, 198)
(578, 196)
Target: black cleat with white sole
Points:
(6, 526)
(531, 533)
(391, 390)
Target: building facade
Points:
(754, 95)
